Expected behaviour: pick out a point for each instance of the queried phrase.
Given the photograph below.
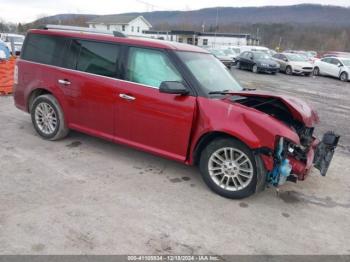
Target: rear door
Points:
(91, 86)
(153, 121)
(326, 66)
(335, 67)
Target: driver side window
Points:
(150, 67)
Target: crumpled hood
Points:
(299, 109)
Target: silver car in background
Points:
(294, 64)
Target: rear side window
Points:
(44, 49)
(93, 57)
(150, 67)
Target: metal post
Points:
(13, 49)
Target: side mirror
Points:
(173, 87)
(252, 58)
(285, 59)
(340, 65)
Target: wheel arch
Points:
(34, 94)
(208, 137)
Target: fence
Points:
(6, 75)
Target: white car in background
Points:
(17, 40)
(333, 66)
(294, 64)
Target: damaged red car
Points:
(173, 100)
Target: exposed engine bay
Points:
(287, 155)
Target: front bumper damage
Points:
(289, 166)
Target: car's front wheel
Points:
(228, 168)
(48, 118)
(255, 69)
(289, 70)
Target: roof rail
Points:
(83, 29)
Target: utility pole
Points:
(216, 24)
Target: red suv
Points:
(173, 100)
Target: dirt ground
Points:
(83, 195)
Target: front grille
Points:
(307, 68)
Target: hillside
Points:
(312, 27)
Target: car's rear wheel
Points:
(289, 70)
(255, 69)
(228, 168)
(316, 71)
(344, 77)
(48, 118)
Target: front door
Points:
(153, 121)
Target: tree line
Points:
(273, 35)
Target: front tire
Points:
(238, 65)
(48, 118)
(228, 168)
(289, 70)
(344, 77)
(255, 69)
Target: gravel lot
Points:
(84, 195)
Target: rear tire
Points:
(316, 71)
(48, 118)
(228, 168)
(289, 70)
(344, 77)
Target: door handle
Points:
(64, 82)
(127, 97)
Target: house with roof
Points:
(133, 25)
(204, 39)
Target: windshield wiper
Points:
(227, 92)
(248, 89)
(223, 92)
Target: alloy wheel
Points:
(230, 168)
(46, 118)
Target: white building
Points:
(204, 39)
(132, 25)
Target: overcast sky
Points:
(29, 10)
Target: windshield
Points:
(229, 52)
(346, 62)
(15, 39)
(211, 74)
(296, 57)
(261, 55)
(217, 52)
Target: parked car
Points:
(173, 100)
(336, 54)
(231, 53)
(220, 54)
(294, 64)
(333, 66)
(246, 48)
(310, 56)
(257, 62)
(17, 40)
(4, 51)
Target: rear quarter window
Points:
(44, 49)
